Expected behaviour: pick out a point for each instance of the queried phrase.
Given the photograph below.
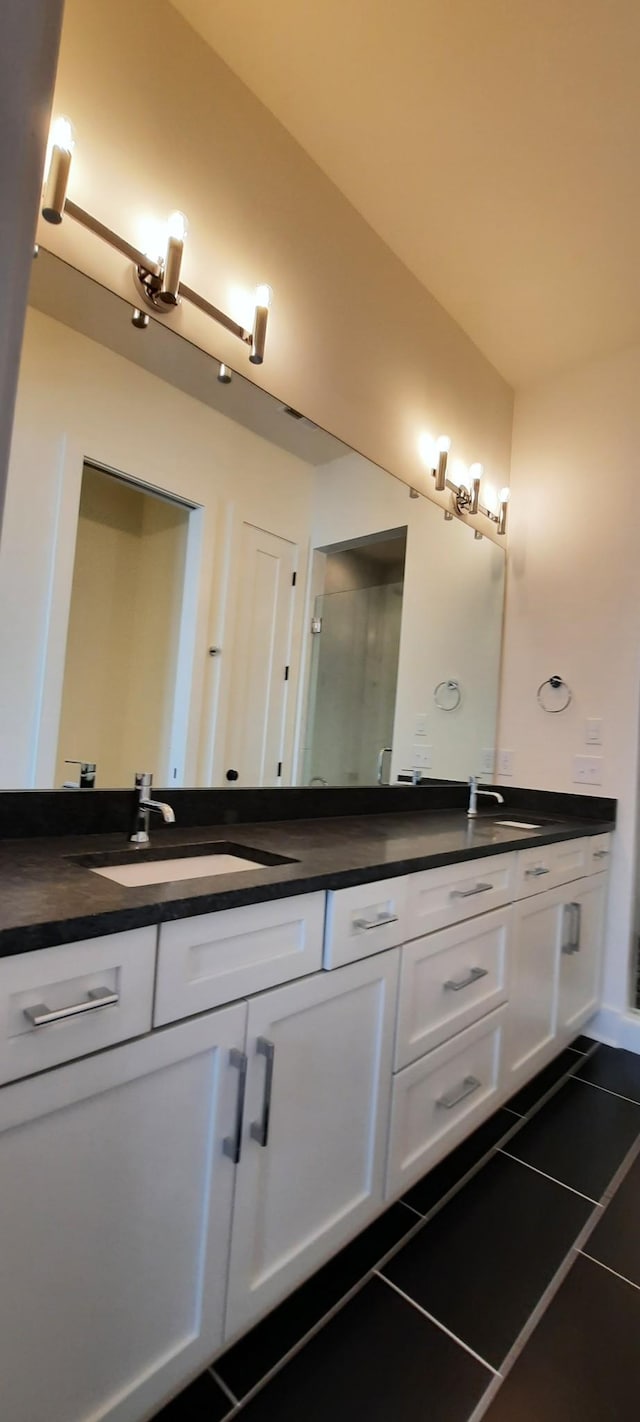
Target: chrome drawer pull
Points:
(574, 911)
(535, 873)
(474, 975)
(468, 893)
(259, 1130)
(601, 853)
(40, 1015)
(458, 1093)
(383, 918)
(232, 1145)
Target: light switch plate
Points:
(593, 731)
(587, 769)
(505, 762)
(421, 724)
(422, 757)
(487, 761)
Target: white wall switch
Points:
(422, 757)
(593, 731)
(505, 762)
(421, 724)
(587, 769)
(487, 761)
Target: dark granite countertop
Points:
(47, 897)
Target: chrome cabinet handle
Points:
(459, 1093)
(232, 1145)
(468, 893)
(535, 873)
(575, 919)
(364, 924)
(601, 853)
(259, 1130)
(41, 1016)
(473, 976)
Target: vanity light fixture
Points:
(139, 319)
(465, 485)
(224, 374)
(157, 273)
(61, 146)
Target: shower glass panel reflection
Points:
(354, 663)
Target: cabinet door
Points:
(533, 995)
(316, 1118)
(115, 1214)
(581, 954)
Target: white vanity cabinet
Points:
(311, 1172)
(556, 956)
(116, 1201)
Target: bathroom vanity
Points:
(209, 1087)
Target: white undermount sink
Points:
(168, 871)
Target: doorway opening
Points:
(357, 613)
(120, 673)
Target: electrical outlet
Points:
(422, 756)
(593, 732)
(421, 724)
(505, 762)
(587, 769)
(487, 761)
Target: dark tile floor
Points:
(505, 1286)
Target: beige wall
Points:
(573, 605)
(355, 341)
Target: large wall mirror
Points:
(199, 582)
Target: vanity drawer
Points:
(441, 1098)
(103, 986)
(599, 853)
(438, 897)
(550, 865)
(449, 980)
(364, 920)
(215, 958)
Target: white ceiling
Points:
(493, 144)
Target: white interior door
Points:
(260, 658)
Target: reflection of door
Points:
(260, 656)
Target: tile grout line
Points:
(223, 1385)
(554, 1286)
(622, 1277)
(552, 1178)
(555, 1087)
(596, 1086)
(436, 1321)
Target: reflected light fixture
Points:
(157, 271)
(224, 374)
(61, 146)
(465, 485)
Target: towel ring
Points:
(455, 695)
(554, 683)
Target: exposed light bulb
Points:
(177, 226)
(62, 134)
(444, 444)
(476, 471)
(263, 296)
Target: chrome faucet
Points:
(474, 791)
(143, 807)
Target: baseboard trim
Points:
(616, 1029)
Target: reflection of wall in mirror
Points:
(452, 612)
